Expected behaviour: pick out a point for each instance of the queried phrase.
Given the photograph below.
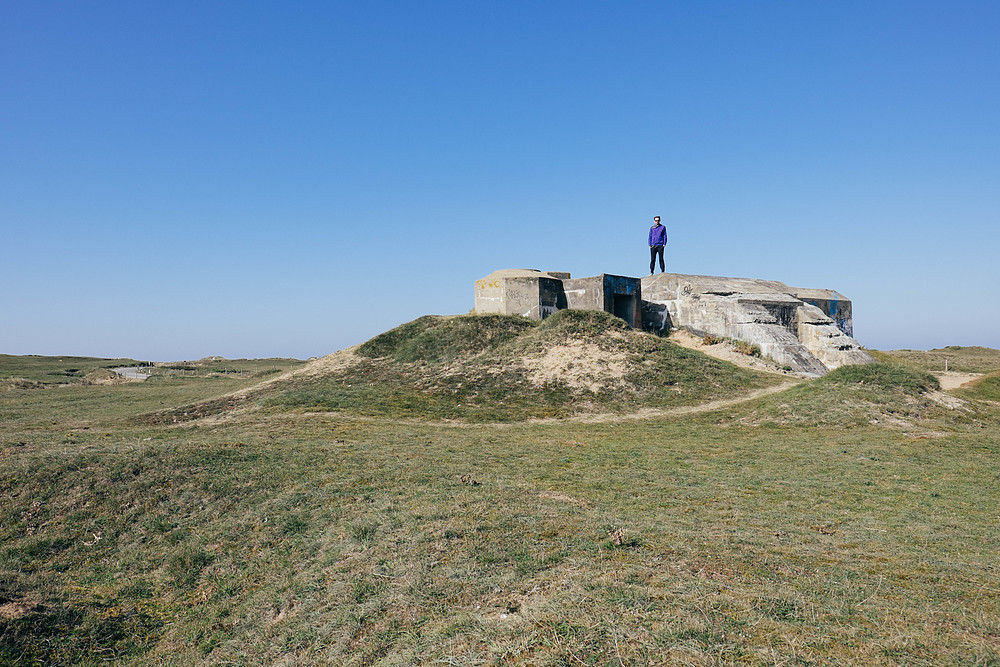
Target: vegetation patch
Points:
(60, 633)
(432, 338)
(986, 388)
(747, 348)
(885, 376)
(36, 372)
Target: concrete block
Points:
(526, 292)
(619, 295)
(826, 341)
(538, 294)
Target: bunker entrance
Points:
(624, 307)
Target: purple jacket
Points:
(658, 235)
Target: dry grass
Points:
(733, 536)
(952, 358)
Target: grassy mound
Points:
(507, 368)
(434, 338)
(884, 377)
(986, 388)
(581, 323)
(851, 396)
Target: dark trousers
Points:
(655, 250)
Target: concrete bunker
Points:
(538, 294)
(619, 295)
(809, 330)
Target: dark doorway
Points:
(624, 307)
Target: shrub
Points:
(744, 347)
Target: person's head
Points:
(656, 219)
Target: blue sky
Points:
(259, 179)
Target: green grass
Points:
(885, 377)
(985, 388)
(740, 536)
(257, 368)
(434, 338)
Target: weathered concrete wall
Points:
(538, 294)
(623, 298)
(489, 294)
(527, 292)
(826, 341)
(833, 304)
(584, 293)
(618, 295)
(763, 312)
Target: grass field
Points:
(848, 520)
(29, 372)
(962, 359)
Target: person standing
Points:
(657, 239)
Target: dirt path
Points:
(954, 380)
(602, 418)
(654, 413)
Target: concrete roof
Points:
(519, 273)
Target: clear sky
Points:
(251, 179)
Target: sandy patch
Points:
(954, 380)
(947, 400)
(331, 363)
(578, 365)
(14, 610)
